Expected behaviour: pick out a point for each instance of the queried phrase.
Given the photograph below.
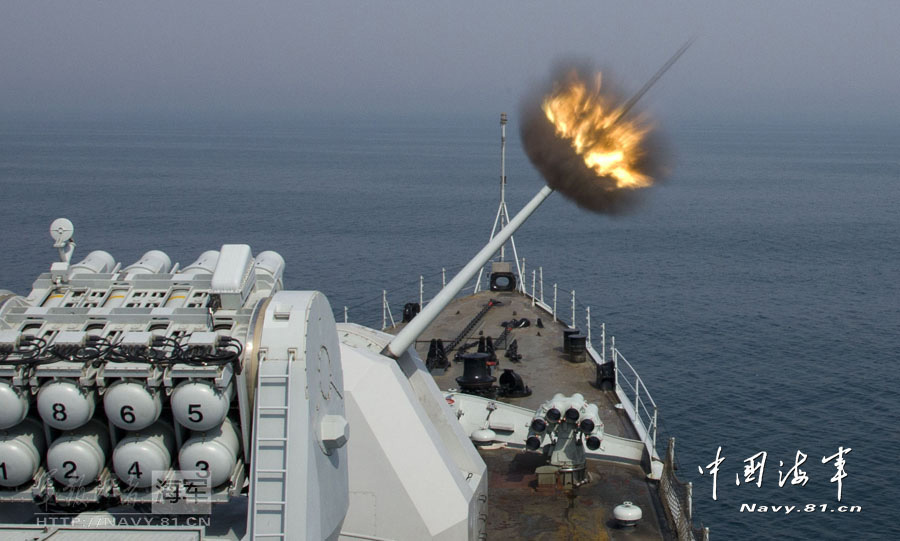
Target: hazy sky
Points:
(808, 59)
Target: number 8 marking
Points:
(59, 412)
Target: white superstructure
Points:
(118, 382)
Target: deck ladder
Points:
(270, 453)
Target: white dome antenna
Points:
(62, 230)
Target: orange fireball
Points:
(589, 120)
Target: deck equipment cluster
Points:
(112, 378)
(564, 425)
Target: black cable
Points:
(127, 354)
(228, 350)
(93, 350)
(29, 350)
(166, 350)
(162, 350)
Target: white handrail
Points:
(639, 402)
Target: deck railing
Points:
(636, 399)
(677, 500)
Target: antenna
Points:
(62, 230)
(502, 218)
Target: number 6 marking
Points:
(127, 414)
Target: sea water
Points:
(756, 290)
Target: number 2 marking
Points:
(71, 473)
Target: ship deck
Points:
(517, 507)
(544, 366)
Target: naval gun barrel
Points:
(414, 328)
(656, 76)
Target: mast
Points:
(502, 178)
(502, 218)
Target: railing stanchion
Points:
(533, 275)
(421, 291)
(603, 342)
(637, 388)
(573, 325)
(554, 303)
(615, 356)
(522, 285)
(587, 318)
(383, 309)
(690, 499)
(443, 277)
(345, 314)
(637, 415)
(541, 272)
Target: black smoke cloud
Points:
(562, 168)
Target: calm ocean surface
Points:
(756, 291)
